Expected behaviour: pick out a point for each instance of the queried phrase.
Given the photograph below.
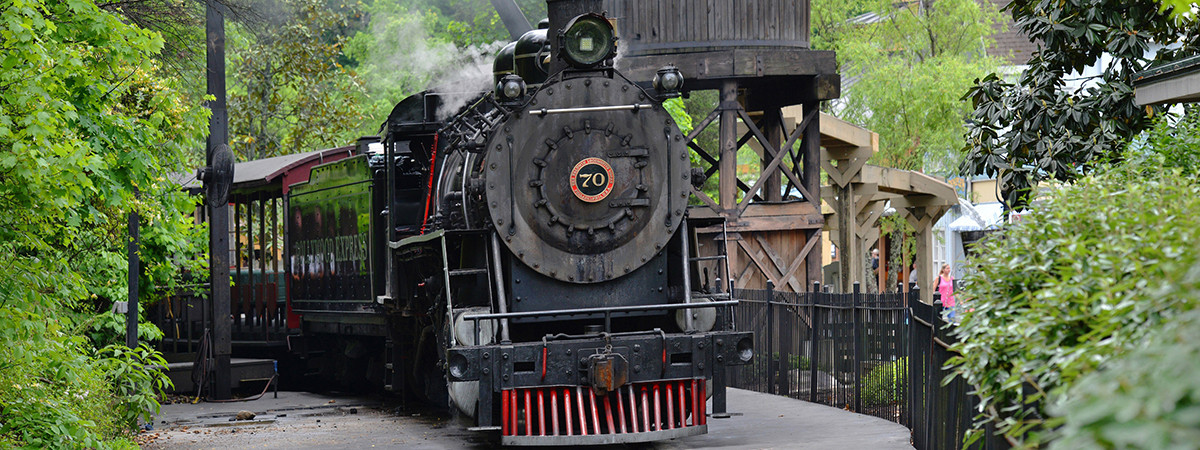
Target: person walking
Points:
(945, 287)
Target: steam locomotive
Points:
(527, 258)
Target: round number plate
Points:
(592, 179)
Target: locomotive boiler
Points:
(521, 255)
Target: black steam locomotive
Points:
(524, 259)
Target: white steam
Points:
(404, 60)
(471, 74)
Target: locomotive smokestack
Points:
(560, 12)
(514, 20)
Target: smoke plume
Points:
(404, 59)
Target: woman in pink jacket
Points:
(945, 287)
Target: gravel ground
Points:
(298, 420)
(302, 420)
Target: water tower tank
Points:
(650, 27)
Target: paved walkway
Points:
(775, 422)
(303, 420)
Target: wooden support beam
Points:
(811, 151)
(728, 151)
(837, 133)
(773, 128)
(847, 238)
(850, 163)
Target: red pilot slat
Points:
(595, 416)
(620, 411)
(682, 410)
(541, 413)
(528, 415)
(703, 402)
(567, 411)
(554, 411)
(657, 409)
(582, 415)
(695, 404)
(513, 413)
(544, 362)
(504, 413)
(664, 360)
(670, 407)
(645, 411)
(633, 421)
(612, 426)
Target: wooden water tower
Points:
(756, 54)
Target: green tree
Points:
(1145, 399)
(86, 118)
(411, 46)
(1075, 289)
(905, 69)
(1179, 9)
(288, 91)
(1040, 128)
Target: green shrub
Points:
(57, 392)
(1174, 142)
(136, 377)
(109, 328)
(51, 394)
(883, 385)
(794, 361)
(1078, 282)
(1149, 398)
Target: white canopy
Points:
(988, 215)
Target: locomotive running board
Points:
(603, 439)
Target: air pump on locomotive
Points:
(527, 259)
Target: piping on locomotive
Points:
(526, 261)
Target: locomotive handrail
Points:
(611, 309)
(633, 107)
(607, 311)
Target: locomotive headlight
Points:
(745, 349)
(458, 366)
(589, 39)
(510, 88)
(668, 81)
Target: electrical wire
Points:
(203, 365)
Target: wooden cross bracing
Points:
(776, 271)
(774, 152)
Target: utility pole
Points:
(132, 248)
(218, 177)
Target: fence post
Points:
(910, 326)
(930, 369)
(857, 324)
(812, 342)
(771, 365)
(786, 332)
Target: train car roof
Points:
(269, 171)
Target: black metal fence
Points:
(876, 354)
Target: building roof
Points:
(1175, 82)
(1008, 42)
